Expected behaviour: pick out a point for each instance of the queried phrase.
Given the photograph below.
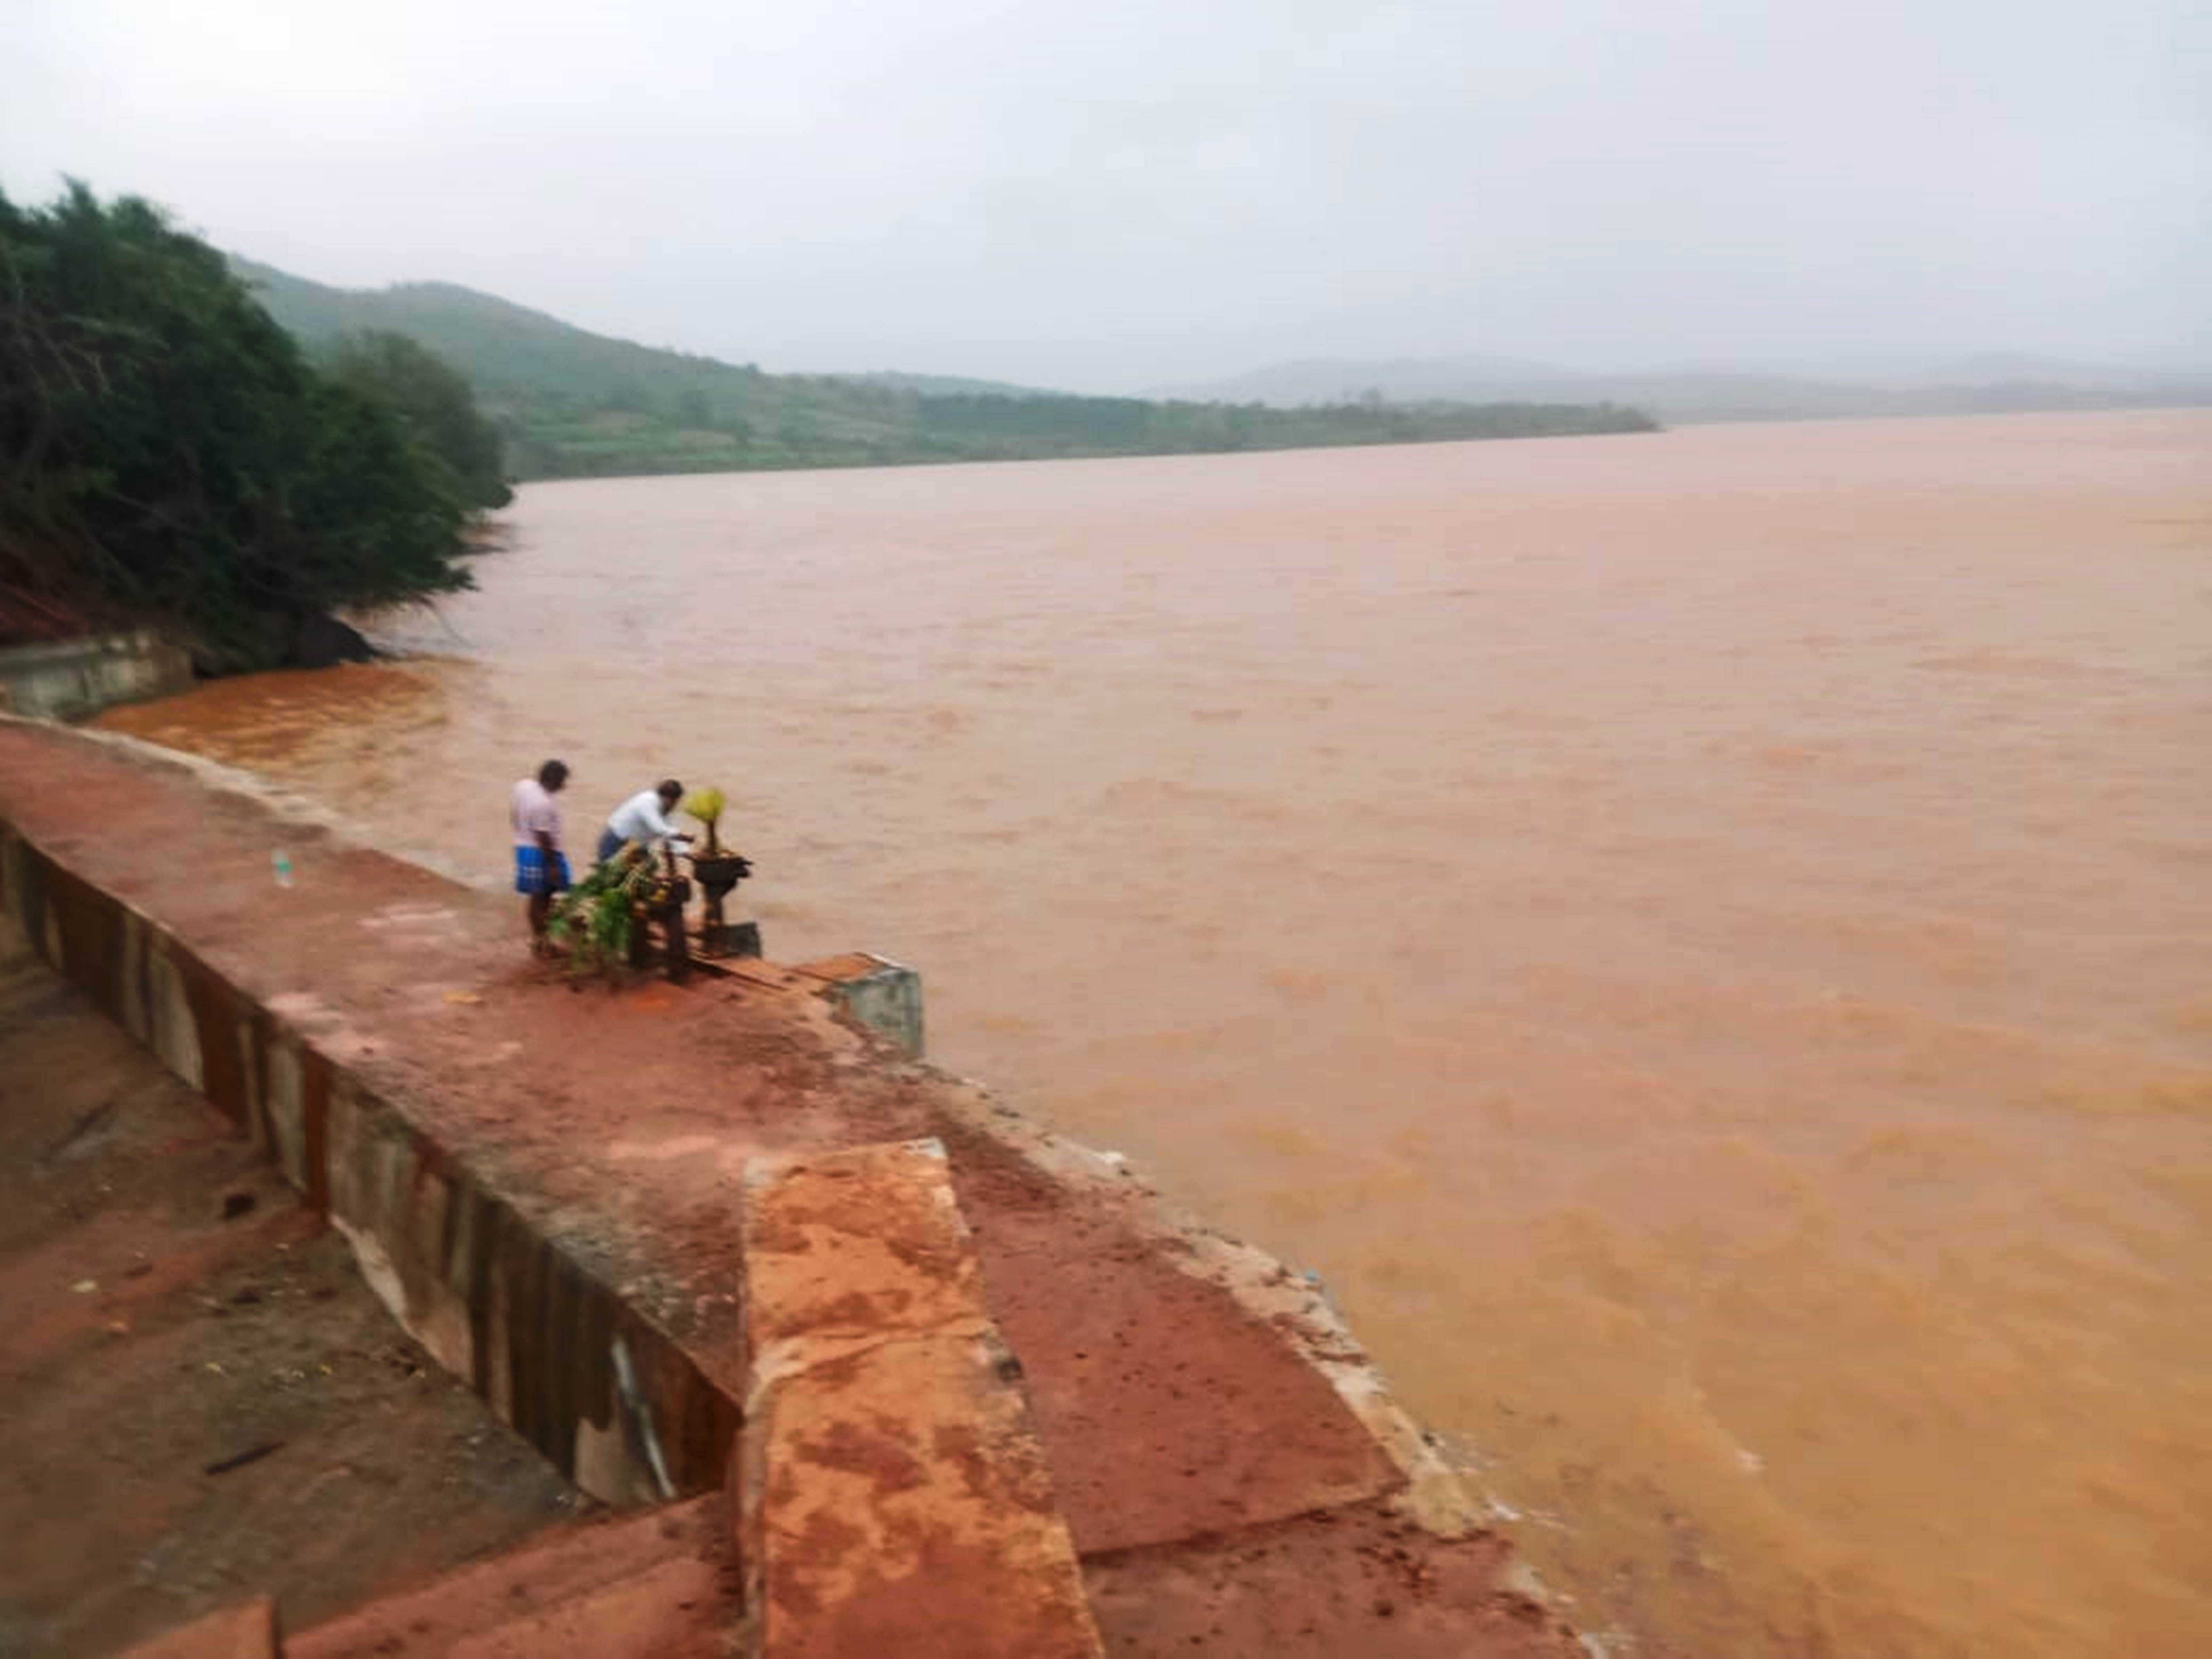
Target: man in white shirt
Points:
(643, 818)
(540, 868)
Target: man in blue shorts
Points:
(541, 869)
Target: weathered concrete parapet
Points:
(479, 1277)
(68, 680)
(891, 1497)
(884, 995)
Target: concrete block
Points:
(892, 1497)
(425, 1233)
(173, 1030)
(246, 1631)
(284, 1106)
(15, 891)
(884, 995)
(131, 1006)
(858, 1245)
(68, 680)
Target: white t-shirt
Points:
(534, 813)
(640, 819)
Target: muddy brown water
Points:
(1704, 940)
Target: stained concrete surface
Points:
(1169, 1411)
(199, 1400)
(894, 1497)
(643, 1584)
(1335, 1584)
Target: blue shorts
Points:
(533, 878)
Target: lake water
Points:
(1704, 940)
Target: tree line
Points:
(169, 453)
(642, 429)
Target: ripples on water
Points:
(1702, 938)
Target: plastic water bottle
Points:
(281, 862)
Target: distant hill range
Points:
(1989, 383)
(574, 404)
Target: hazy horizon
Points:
(1113, 202)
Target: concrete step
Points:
(891, 1497)
(651, 1584)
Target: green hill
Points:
(572, 403)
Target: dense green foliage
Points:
(434, 401)
(574, 403)
(824, 421)
(167, 453)
(595, 919)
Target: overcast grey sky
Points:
(1111, 196)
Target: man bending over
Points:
(643, 818)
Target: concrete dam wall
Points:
(953, 1384)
